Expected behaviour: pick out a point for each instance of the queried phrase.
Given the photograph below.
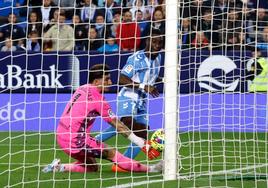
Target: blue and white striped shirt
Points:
(140, 69)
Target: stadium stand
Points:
(228, 25)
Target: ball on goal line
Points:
(158, 140)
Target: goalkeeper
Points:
(138, 77)
(76, 122)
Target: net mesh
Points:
(48, 47)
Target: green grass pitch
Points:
(23, 155)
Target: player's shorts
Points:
(82, 148)
(92, 149)
(128, 107)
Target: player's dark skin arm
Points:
(126, 81)
(125, 126)
(138, 128)
(120, 127)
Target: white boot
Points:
(54, 166)
(158, 167)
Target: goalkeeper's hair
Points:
(98, 71)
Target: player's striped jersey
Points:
(141, 69)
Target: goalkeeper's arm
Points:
(126, 132)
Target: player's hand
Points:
(150, 151)
(151, 90)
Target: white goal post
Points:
(171, 91)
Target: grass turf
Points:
(23, 155)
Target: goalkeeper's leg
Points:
(130, 164)
(111, 155)
(78, 166)
(94, 149)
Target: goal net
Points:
(212, 104)
(223, 93)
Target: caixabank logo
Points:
(40, 73)
(15, 78)
(217, 62)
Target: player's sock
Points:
(72, 167)
(106, 134)
(132, 151)
(129, 164)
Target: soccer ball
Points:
(158, 140)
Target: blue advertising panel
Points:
(36, 87)
(200, 71)
(41, 112)
(50, 72)
(198, 112)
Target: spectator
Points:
(61, 35)
(209, 27)
(257, 22)
(194, 10)
(34, 24)
(21, 10)
(93, 42)
(33, 43)
(232, 25)
(88, 11)
(46, 11)
(233, 20)
(68, 6)
(158, 23)
(109, 9)
(7, 7)
(142, 23)
(53, 20)
(162, 4)
(262, 18)
(234, 42)
(149, 9)
(185, 31)
(246, 17)
(138, 5)
(128, 34)
(220, 11)
(12, 30)
(262, 44)
(123, 3)
(116, 22)
(200, 40)
(110, 46)
(80, 32)
(103, 29)
(237, 4)
(8, 46)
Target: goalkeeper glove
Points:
(150, 151)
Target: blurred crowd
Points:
(123, 25)
(224, 25)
